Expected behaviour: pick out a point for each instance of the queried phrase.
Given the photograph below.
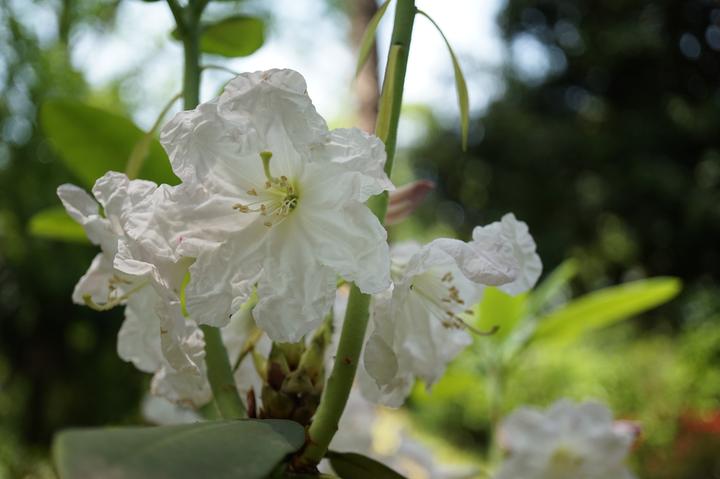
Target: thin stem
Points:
(220, 375)
(191, 75)
(340, 382)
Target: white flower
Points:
(510, 231)
(286, 198)
(418, 326)
(569, 441)
(143, 273)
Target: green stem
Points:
(340, 382)
(191, 73)
(220, 375)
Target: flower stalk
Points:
(340, 382)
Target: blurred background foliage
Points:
(610, 151)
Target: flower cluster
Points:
(271, 205)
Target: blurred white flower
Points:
(146, 276)
(286, 196)
(419, 325)
(568, 441)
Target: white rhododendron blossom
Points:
(568, 441)
(420, 325)
(146, 277)
(290, 196)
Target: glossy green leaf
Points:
(54, 223)
(237, 36)
(605, 307)
(217, 449)
(499, 309)
(349, 465)
(368, 38)
(91, 141)
(460, 86)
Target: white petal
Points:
(352, 242)
(139, 336)
(295, 291)
(225, 274)
(95, 282)
(513, 233)
(85, 210)
(362, 156)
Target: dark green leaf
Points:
(237, 36)
(92, 141)
(54, 223)
(218, 449)
(349, 465)
(605, 307)
(368, 38)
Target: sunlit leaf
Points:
(217, 449)
(236, 36)
(605, 307)
(54, 223)
(499, 309)
(91, 141)
(460, 86)
(553, 285)
(382, 128)
(368, 38)
(349, 465)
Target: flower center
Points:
(276, 199)
(565, 463)
(442, 299)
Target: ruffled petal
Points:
(225, 274)
(295, 291)
(509, 232)
(352, 242)
(139, 336)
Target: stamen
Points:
(265, 156)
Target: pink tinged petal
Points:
(406, 199)
(295, 290)
(352, 242)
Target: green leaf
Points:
(349, 465)
(553, 285)
(605, 307)
(236, 36)
(382, 128)
(460, 86)
(91, 142)
(368, 38)
(500, 309)
(217, 449)
(55, 223)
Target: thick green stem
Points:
(191, 74)
(220, 375)
(340, 382)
